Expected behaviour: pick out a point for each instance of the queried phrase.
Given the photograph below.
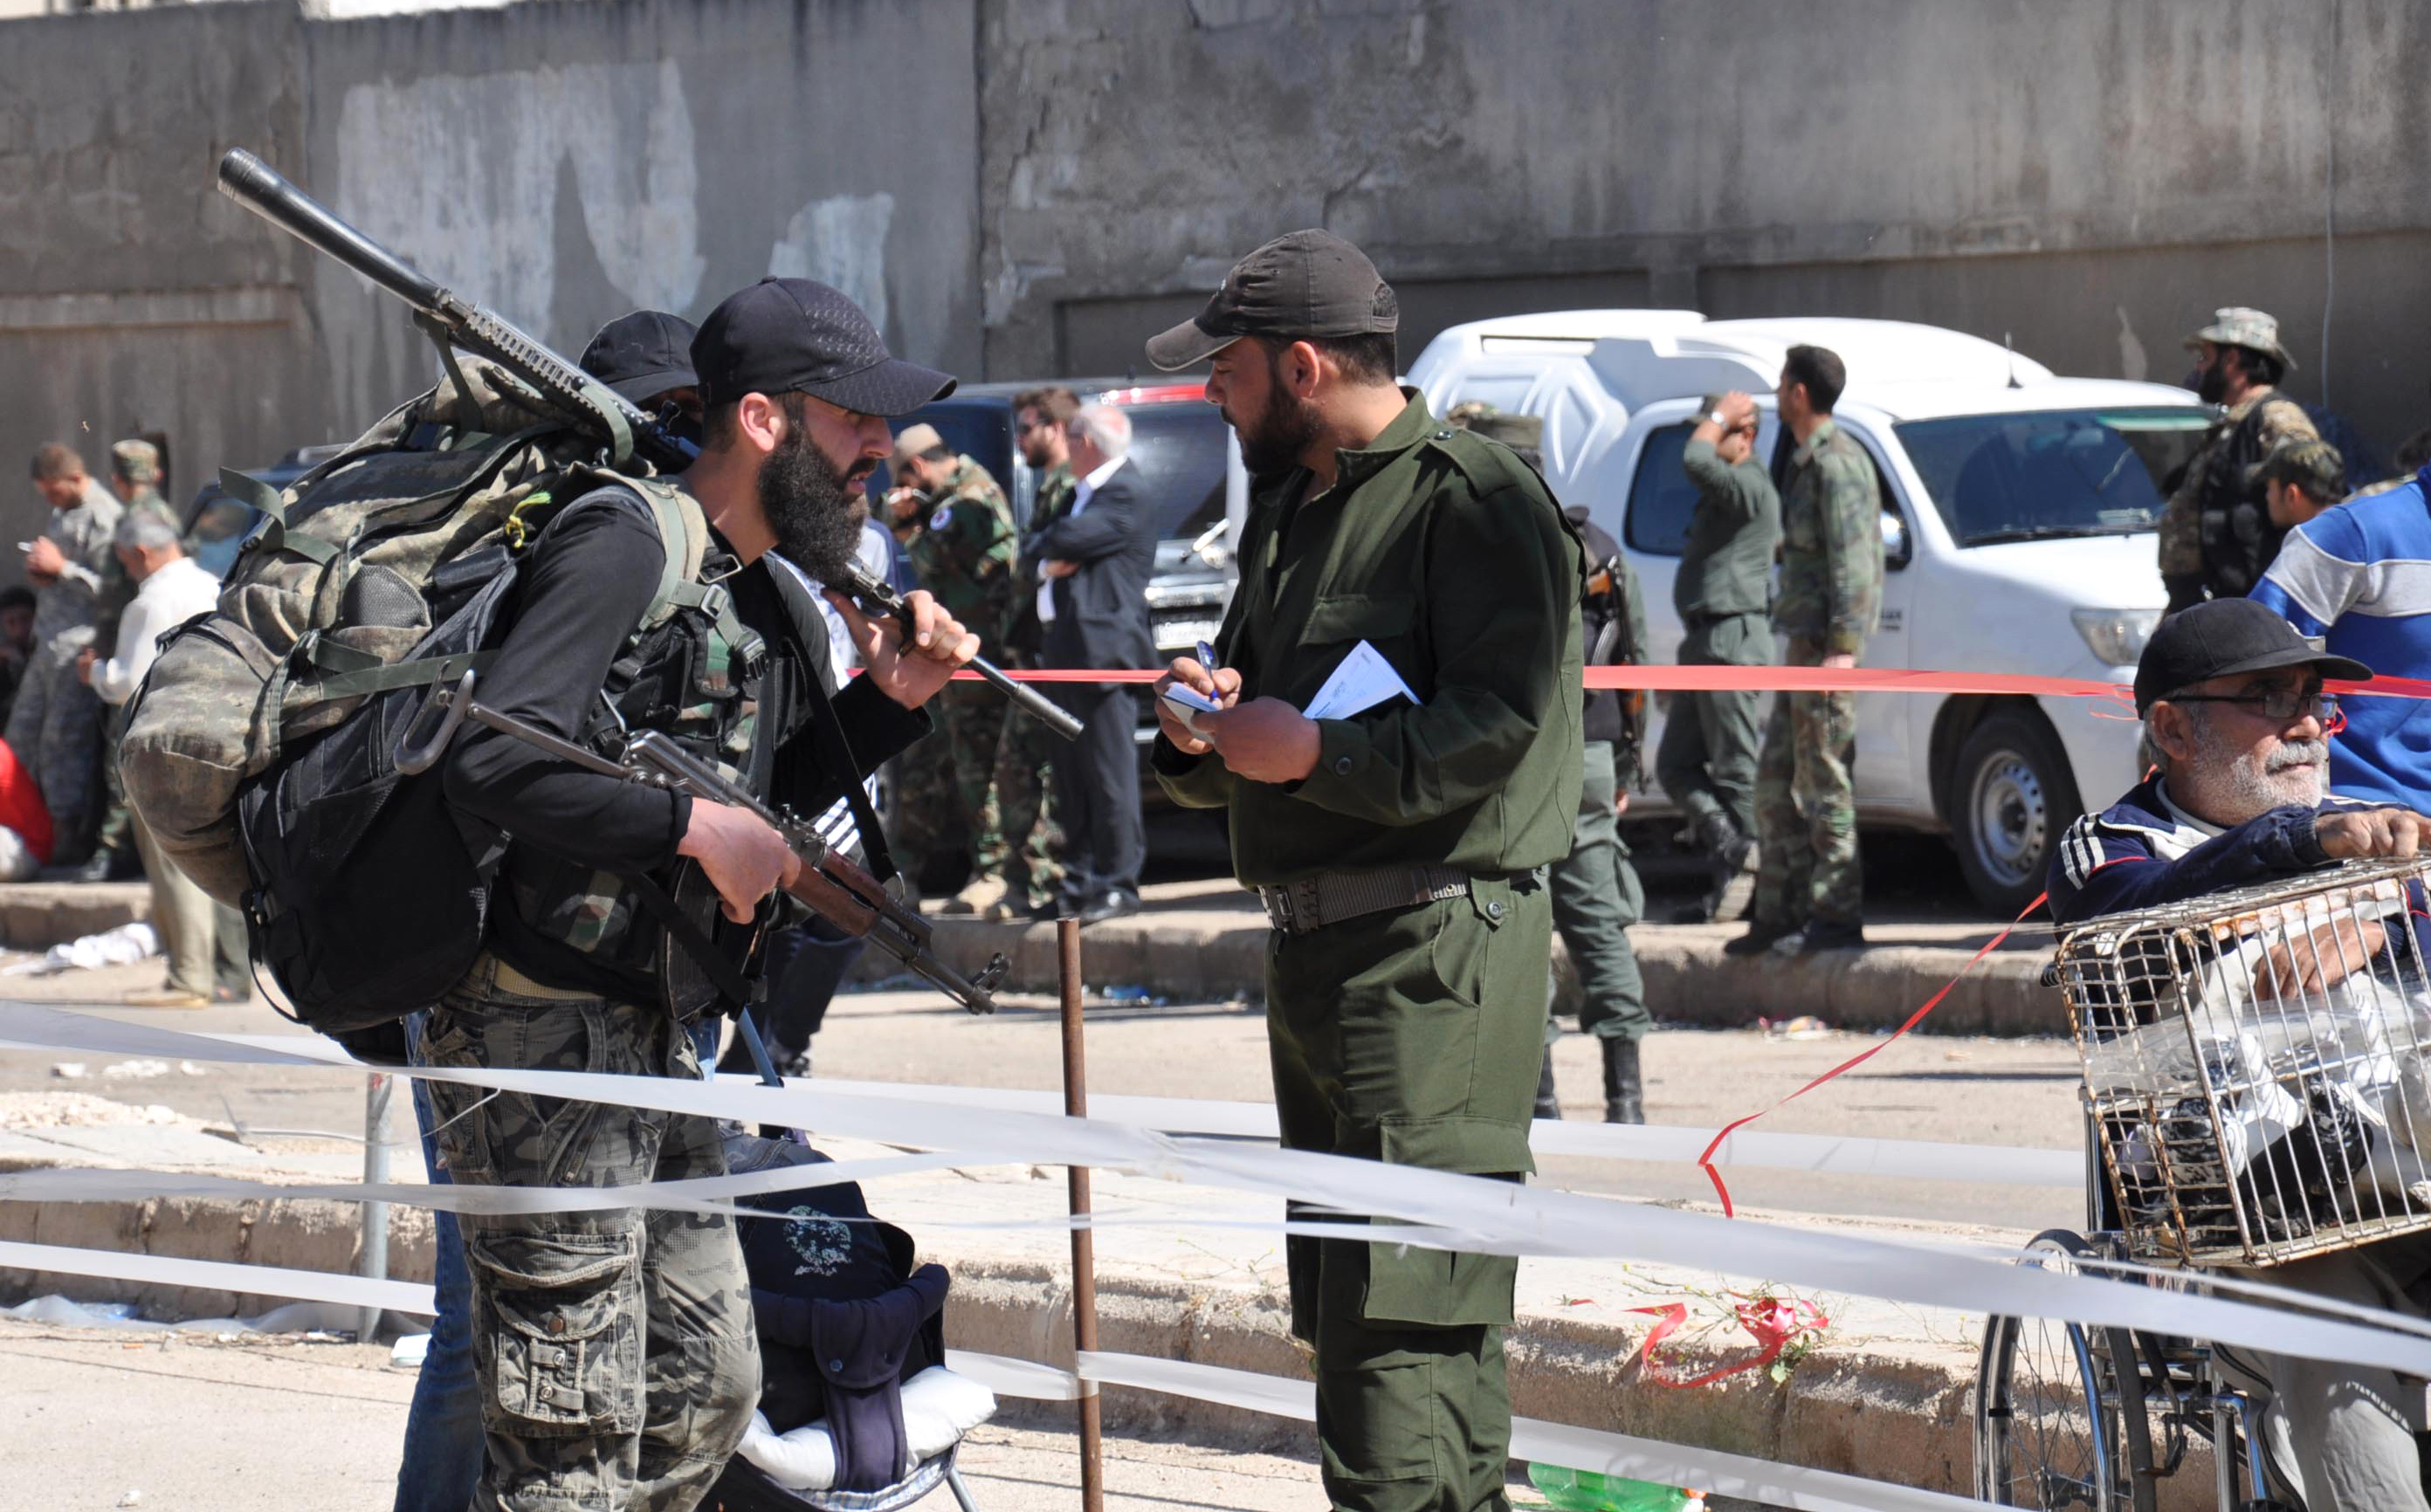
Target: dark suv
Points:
(1190, 467)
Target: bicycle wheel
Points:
(2059, 1408)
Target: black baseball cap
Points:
(643, 354)
(799, 336)
(1307, 284)
(2222, 638)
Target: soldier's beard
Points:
(815, 521)
(2212, 384)
(1280, 434)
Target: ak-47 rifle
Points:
(834, 887)
(450, 317)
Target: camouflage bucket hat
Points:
(2238, 326)
(136, 462)
(2309, 463)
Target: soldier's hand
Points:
(1265, 740)
(1221, 684)
(909, 670)
(744, 860)
(44, 562)
(2364, 832)
(1839, 660)
(1737, 409)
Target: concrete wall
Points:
(1032, 185)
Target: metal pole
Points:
(1084, 1272)
(374, 1263)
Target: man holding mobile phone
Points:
(1398, 850)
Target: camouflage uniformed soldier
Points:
(1721, 590)
(1398, 850)
(1809, 890)
(54, 727)
(2216, 537)
(615, 1347)
(135, 477)
(1019, 842)
(957, 533)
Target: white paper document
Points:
(1364, 680)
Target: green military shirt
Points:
(1726, 563)
(1830, 545)
(1055, 493)
(962, 552)
(1444, 550)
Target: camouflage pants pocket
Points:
(556, 1329)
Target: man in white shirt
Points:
(198, 934)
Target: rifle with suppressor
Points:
(452, 318)
(831, 883)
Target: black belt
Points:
(1330, 897)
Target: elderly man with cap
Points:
(615, 1347)
(956, 529)
(2237, 726)
(2354, 577)
(2217, 536)
(1399, 843)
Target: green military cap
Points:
(2310, 463)
(135, 461)
(2238, 326)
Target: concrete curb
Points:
(38, 915)
(1687, 981)
(1843, 1409)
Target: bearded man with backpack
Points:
(615, 1348)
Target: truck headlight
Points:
(2116, 636)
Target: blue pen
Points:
(1207, 657)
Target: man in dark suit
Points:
(1094, 563)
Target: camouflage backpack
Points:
(377, 575)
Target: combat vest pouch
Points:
(260, 751)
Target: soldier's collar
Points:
(1413, 425)
(1816, 437)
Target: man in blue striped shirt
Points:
(2358, 576)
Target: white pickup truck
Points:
(2019, 511)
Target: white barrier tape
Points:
(698, 1194)
(1552, 1443)
(1654, 1145)
(1497, 1216)
(221, 1275)
(1009, 1377)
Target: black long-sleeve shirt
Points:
(585, 586)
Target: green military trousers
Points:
(1707, 758)
(1414, 1038)
(1597, 897)
(1806, 809)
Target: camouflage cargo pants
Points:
(54, 729)
(616, 1350)
(972, 717)
(1806, 808)
(1018, 837)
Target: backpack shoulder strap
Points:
(683, 530)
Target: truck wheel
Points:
(2010, 797)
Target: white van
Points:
(2019, 512)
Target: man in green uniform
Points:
(1809, 890)
(1706, 762)
(1018, 839)
(1398, 847)
(957, 532)
(2217, 536)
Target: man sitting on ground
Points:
(2237, 726)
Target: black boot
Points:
(1548, 1104)
(1625, 1095)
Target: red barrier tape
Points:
(1774, 1322)
(1706, 1159)
(1768, 679)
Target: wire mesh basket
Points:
(2255, 1064)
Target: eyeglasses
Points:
(2278, 704)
